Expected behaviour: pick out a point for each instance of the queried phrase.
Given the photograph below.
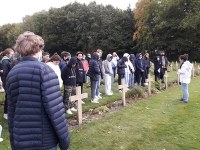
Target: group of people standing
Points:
(34, 102)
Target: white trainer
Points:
(73, 109)
(99, 97)
(5, 116)
(69, 112)
(95, 100)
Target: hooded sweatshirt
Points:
(129, 65)
(68, 73)
(94, 71)
(108, 65)
(185, 72)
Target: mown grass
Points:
(108, 125)
(160, 122)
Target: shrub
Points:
(136, 92)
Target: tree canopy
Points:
(77, 27)
(171, 25)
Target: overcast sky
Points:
(12, 11)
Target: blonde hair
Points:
(28, 43)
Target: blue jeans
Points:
(54, 148)
(93, 84)
(131, 80)
(98, 86)
(127, 78)
(184, 87)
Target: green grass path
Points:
(157, 123)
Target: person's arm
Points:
(96, 67)
(54, 107)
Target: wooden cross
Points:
(198, 68)
(124, 88)
(166, 77)
(78, 97)
(149, 84)
(193, 71)
(178, 78)
(171, 66)
(176, 65)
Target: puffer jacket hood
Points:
(108, 57)
(95, 56)
(72, 61)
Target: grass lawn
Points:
(158, 123)
(136, 126)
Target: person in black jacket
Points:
(94, 73)
(80, 74)
(36, 114)
(69, 80)
(6, 67)
(140, 70)
(121, 69)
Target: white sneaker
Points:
(69, 112)
(1, 139)
(5, 116)
(82, 102)
(109, 94)
(95, 100)
(99, 97)
(73, 109)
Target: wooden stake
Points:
(78, 97)
(166, 78)
(178, 78)
(124, 88)
(149, 84)
(193, 71)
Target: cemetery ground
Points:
(158, 122)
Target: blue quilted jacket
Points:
(36, 117)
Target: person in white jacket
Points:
(108, 74)
(128, 70)
(54, 64)
(185, 73)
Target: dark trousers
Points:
(140, 78)
(157, 75)
(5, 104)
(94, 85)
(146, 73)
(69, 91)
(120, 77)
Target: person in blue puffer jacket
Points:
(36, 116)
